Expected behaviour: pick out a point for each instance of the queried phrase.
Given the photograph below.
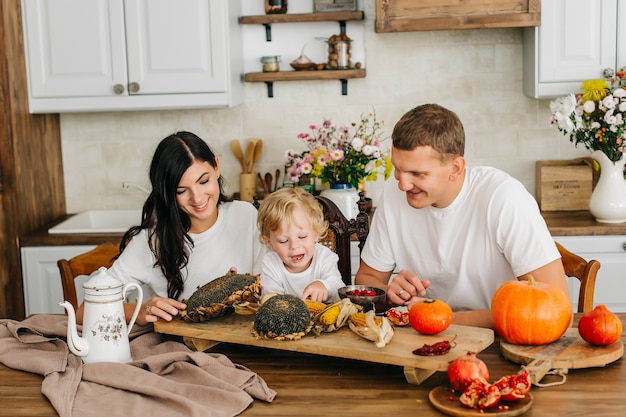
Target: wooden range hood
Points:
(412, 15)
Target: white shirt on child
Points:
(276, 278)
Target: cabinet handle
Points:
(624, 245)
(118, 88)
(133, 87)
(608, 72)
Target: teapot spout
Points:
(79, 346)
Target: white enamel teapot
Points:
(105, 334)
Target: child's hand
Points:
(315, 291)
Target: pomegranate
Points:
(465, 369)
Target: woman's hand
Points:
(406, 288)
(159, 308)
(315, 291)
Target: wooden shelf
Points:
(304, 75)
(270, 77)
(267, 19)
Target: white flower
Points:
(369, 150)
(589, 106)
(563, 122)
(620, 92)
(357, 144)
(564, 105)
(608, 102)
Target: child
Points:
(291, 222)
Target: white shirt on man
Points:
(492, 232)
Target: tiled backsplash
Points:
(476, 73)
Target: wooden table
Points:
(310, 385)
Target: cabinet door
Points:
(610, 251)
(577, 41)
(176, 46)
(42, 280)
(74, 48)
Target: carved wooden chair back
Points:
(341, 230)
(84, 264)
(586, 272)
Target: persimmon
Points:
(430, 316)
(600, 326)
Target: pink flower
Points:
(336, 154)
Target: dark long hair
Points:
(166, 223)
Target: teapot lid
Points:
(101, 280)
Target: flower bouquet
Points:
(346, 154)
(596, 117)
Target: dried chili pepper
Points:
(439, 348)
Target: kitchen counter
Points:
(41, 237)
(560, 223)
(579, 223)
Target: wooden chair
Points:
(340, 231)
(586, 272)
(84, 264)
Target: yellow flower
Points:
(594, 90)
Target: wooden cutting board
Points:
(568, 352)
(342, 343)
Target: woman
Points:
(190, 232)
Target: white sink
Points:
(99, 221)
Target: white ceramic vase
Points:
(345, 196)
(608, 199)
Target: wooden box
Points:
(563, 185)
(333, 5)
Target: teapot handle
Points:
(139, 301)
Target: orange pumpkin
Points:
(530, 312)
(600, 326)
(430, 316)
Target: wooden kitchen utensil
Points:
(277, 175)
(263, 184)
(258, 148)
(247, 159)
(268, 181)
(235, 146)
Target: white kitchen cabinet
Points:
(113, 55)
(577, 41)
(42, 280)
(610, 251)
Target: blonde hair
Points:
(279, 206)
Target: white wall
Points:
(476, 73)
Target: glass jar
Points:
(271, 63)
(275, 6)
(339, 54)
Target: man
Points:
(454, 233)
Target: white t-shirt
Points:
(491, 233)
(232, 241)
(276, 278)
